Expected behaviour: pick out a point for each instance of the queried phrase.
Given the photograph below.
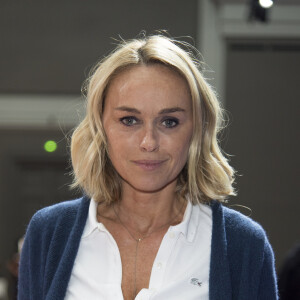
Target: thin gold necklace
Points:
(138, 240)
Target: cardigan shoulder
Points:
(251, 264)
(58, 218)
(237, 228)
(242, 226)
(56, 212)
(50, 247)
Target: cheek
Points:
(183, 155)
(113, 143)
(115, 147)
(180, 151)
(119, 144)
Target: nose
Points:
(150, 141)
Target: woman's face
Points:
(148, 122)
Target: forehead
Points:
(143, 86)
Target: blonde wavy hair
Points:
(206, 175)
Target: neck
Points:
(146, 212)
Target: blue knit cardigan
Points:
(242, 260)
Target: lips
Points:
(149, 165)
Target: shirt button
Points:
(172, 235)
(159, 266)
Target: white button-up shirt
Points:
(180, 269)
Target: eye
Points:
(170, 123)
(128, 121)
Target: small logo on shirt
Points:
(195, 281)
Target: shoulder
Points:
(56, 210)
(243, 244)
(236, 222)
(58, 216)
(52, 239)
(238, 227)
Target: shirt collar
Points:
(188, 226)
(91, 222)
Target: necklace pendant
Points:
(140, 239)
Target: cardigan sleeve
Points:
(250, 258)
(50, 247)
(268, 283)
(30, 272)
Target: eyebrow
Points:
(163, 111)
(171, 110)
(128, 109)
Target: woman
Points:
(152, 225)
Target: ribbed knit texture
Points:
(242, 261)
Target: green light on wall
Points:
(50, 146)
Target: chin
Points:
(150, 187)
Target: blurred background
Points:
(47, 49)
